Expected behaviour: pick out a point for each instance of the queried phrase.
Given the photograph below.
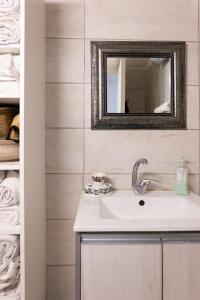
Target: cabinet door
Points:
(121, 272)
(181, 271)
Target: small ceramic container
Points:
(98, 179)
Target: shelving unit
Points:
(29, 95)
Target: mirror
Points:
(138, 85)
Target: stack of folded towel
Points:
(9, 199)
(9, 22)
(9, 266)
(9, 67)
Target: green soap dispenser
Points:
(181, 184)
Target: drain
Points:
(141, 202)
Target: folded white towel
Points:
(9, 190)
(8, 7)
(9, 68)
(10, 216)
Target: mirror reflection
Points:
(138, 85)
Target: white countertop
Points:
(89, 217)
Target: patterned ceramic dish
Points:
(102, 190)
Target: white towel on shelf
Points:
(8, 7)
(10, 216)
(9, 264)
(9, 67)
(9, 190)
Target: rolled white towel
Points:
(7, 196)
(12, 271)
(9, 265)
(9, 190)
(9, 248)
(10, 216)
(9, 30)
(8, 7)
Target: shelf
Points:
(6, 100)
(12, 48)
(9, 230)
(9, 165)
(9, 297)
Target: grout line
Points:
(67, 265)
(68, 128)
(56, 219)
(199, 71)
(123, 130)
(137, 40)
(65, 173)
(89, 83)
(122, 174)
(64, 82)
(64, 38)
(162, 265)
(107, 39)
(84, 98)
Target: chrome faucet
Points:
(139, 185)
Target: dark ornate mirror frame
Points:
(101, 50)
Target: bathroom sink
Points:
(153, 206)
(123, 211)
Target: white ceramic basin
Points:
(153, 206)
(120, 211)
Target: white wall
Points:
(73, 150)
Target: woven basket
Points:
(6, 116)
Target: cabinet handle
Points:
(119, 240)
(181, 240)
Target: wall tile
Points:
(60, 242)
(87, 61)
(192, 64)
(64, 150)
(194, 184)
(65, 18)
(158, 20)
(104, 152)
(63, 195)
(158, 181)
(87, 105)
(64, 105)
(65, 60)
(61, 283)
(192, 97)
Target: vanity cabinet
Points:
(181, 270)
(160, 266)
(121, 271)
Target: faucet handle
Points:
(145, 182)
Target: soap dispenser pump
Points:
(181, 183)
